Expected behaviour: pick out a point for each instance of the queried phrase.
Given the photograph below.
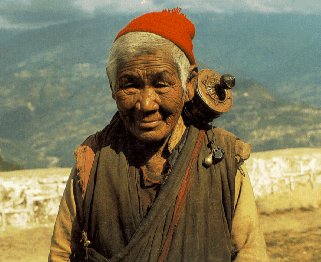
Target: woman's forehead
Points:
(155, 62)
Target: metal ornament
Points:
(208, 161)
(216, 154)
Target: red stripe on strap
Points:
(186, 185)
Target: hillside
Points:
(54, 92)
(6, 165)
(280, 51)
(268, 122)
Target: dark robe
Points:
(126, 220)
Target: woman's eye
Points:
(128, 85)
(161, 84)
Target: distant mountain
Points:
(54, 91)
(7, 166)
(268, 122)
(281, 51)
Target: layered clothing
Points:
(186, 214)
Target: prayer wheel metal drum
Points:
(213, 97)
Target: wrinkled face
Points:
(149, 96)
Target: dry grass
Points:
(25, 244)
(31, 173)
(295, 246)
(287, 152)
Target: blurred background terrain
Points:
(54, 92)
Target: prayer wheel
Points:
(213, 97)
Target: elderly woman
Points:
(140, 190)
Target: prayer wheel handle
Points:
(227, 81)
(213, 97)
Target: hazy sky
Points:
(38, 13)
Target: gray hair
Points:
(126, 47)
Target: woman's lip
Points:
(148, 124)
(148, 120)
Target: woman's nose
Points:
(148, 100)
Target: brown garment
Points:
(249, 240)
(119, 227)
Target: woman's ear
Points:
(191, 83)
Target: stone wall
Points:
(30, 197)
(282, 180)
(286, 179)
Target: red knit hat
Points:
(170, 24)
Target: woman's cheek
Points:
(172, 103)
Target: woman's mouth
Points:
(148, 123)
